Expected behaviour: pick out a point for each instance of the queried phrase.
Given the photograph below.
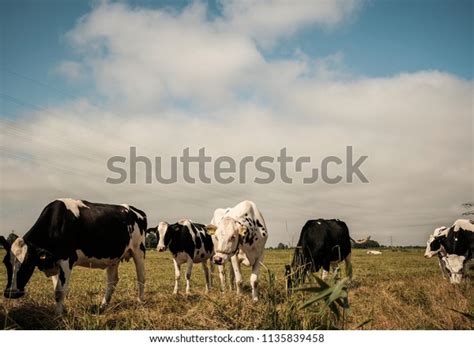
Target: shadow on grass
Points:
(30, 317)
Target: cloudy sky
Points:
(81, 82)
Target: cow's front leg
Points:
(60, 284)
(139, 260)
(206, 275)
(177, 275)
(189, 270)
(442, 267)
(232, 277)
(326, 268)
(112, 280)
(254, 278)
(238, 276)
(221, 269)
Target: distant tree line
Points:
(151, 241)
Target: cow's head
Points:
(20, 261)
(164, 234)
(455, 267)
(226, 237)
(434, 243)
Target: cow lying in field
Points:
(239, 235)
(189, 243)
(454, 247)
(374, 252)
(73, 232)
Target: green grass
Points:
(398, 290)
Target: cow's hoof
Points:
(60, 312)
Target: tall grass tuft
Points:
(333, 295)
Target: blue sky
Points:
(382, 38)
(392, 79)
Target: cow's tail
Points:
(142, 223)
(360, 241)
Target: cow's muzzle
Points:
(161, 248)
(218, 260)
(13, 294)
(455, 279)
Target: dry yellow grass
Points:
(398, 290)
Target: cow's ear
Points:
(211, 229)
(243, 231)
(6, 245)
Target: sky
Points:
(83, 81)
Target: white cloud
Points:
(267, 20)
(159, 56)
(175, 80)
(72, 70)
(415, 128)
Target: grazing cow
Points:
(189, 243)
(374, 252)
(433, 247)
(322, 243)
(73, 232)
(239, 234)
(454, 246)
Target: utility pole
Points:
(391, 242)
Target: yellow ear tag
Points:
(211, 229)
(42, 257)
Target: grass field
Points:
(398, 290)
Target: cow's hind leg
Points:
(348, 262)
(139, 260)
(206, 275)
(60, 284)
(189, 270)
(112, 280)
(177, 275)
(254, 278)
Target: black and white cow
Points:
(239, 234)
(454, 247)
(73, 232)
(189, 243)
(322, 243)
(434, 241)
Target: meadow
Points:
(397, 290)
